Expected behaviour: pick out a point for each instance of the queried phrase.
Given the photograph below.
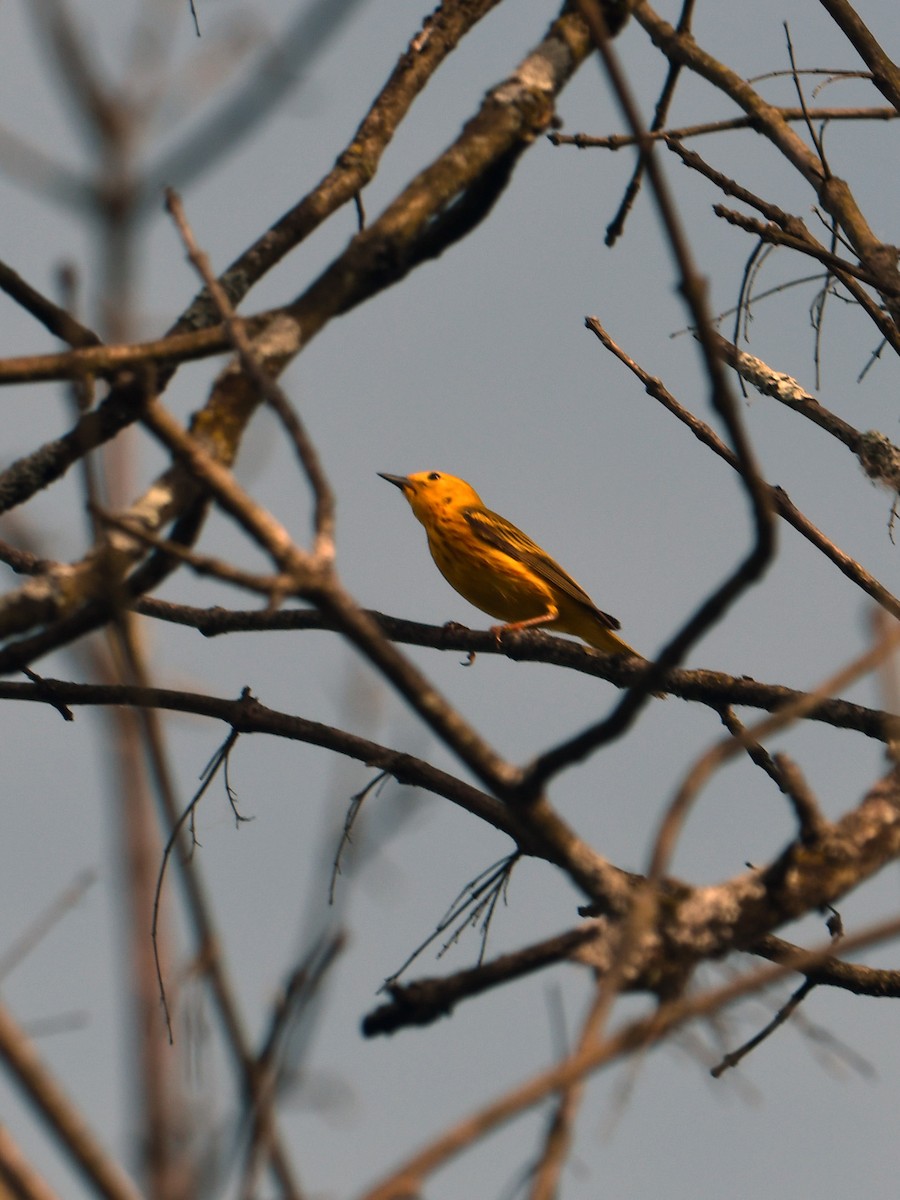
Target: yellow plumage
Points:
(498, 568)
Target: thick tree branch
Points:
(885, 73)
(638, 1035)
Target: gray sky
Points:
(479, 365)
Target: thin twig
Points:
(666, 96)
(779, 499)
(734, 1056)
(45, 922)
(618, 141)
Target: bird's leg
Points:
(543, 618)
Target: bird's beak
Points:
(399, 481)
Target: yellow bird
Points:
(498, 568)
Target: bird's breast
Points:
(486, 577)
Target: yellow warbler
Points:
(496, 567)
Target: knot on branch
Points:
(880, 459)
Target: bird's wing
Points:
(495, 531)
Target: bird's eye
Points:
(434, 475)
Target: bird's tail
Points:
(604, 639)
(595, 627)
(598, 635)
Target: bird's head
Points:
(429, 492)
